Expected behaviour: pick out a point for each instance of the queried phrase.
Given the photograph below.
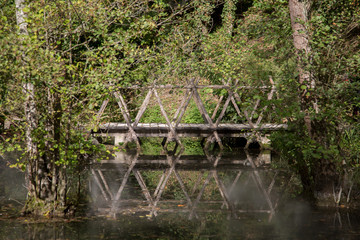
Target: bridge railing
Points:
(249, 106)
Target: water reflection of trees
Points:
(193, 185)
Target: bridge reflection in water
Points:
(193, 185)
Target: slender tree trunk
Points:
(299, 11)
(29, 106)
(228, 16)
(21, 16)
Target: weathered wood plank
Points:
(218, 120)
(125, 112)
(182, 104)
(217, 108)
(169, 86)
(99, 185)
(270, 96)
(101, 110)
(183, 129)
(143, 107)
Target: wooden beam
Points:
(169, 86)
(131, 136)
(143, 108)
(270, 96)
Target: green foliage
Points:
(192, 114)
(350, 145)
(334, 40)
(153, 115)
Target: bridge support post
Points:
(264, 141)
(119, 138)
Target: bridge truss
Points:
(213, 125)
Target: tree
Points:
(46, 85)
(321, 173)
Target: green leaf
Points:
(26, 9)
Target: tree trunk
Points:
(29, 106)
(299, 10)
(228, 16)
(318, 178)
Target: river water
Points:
(238, 195)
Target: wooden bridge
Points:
(213, 127)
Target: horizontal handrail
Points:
(169, 86)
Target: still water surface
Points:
(221, 196)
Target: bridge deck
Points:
(187, 130)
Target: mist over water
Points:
(231, 196)
(12, 186)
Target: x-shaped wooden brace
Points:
(104, 188)
(131, 136)
(172, 134)
(212, 138)
(108, 195)
(163, 181)
(222, 190)
(193, 93)
(212, 173)
(257, 179)
(153, 201)
(246, 114)
(123, 183)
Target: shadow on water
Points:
(210, 196)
